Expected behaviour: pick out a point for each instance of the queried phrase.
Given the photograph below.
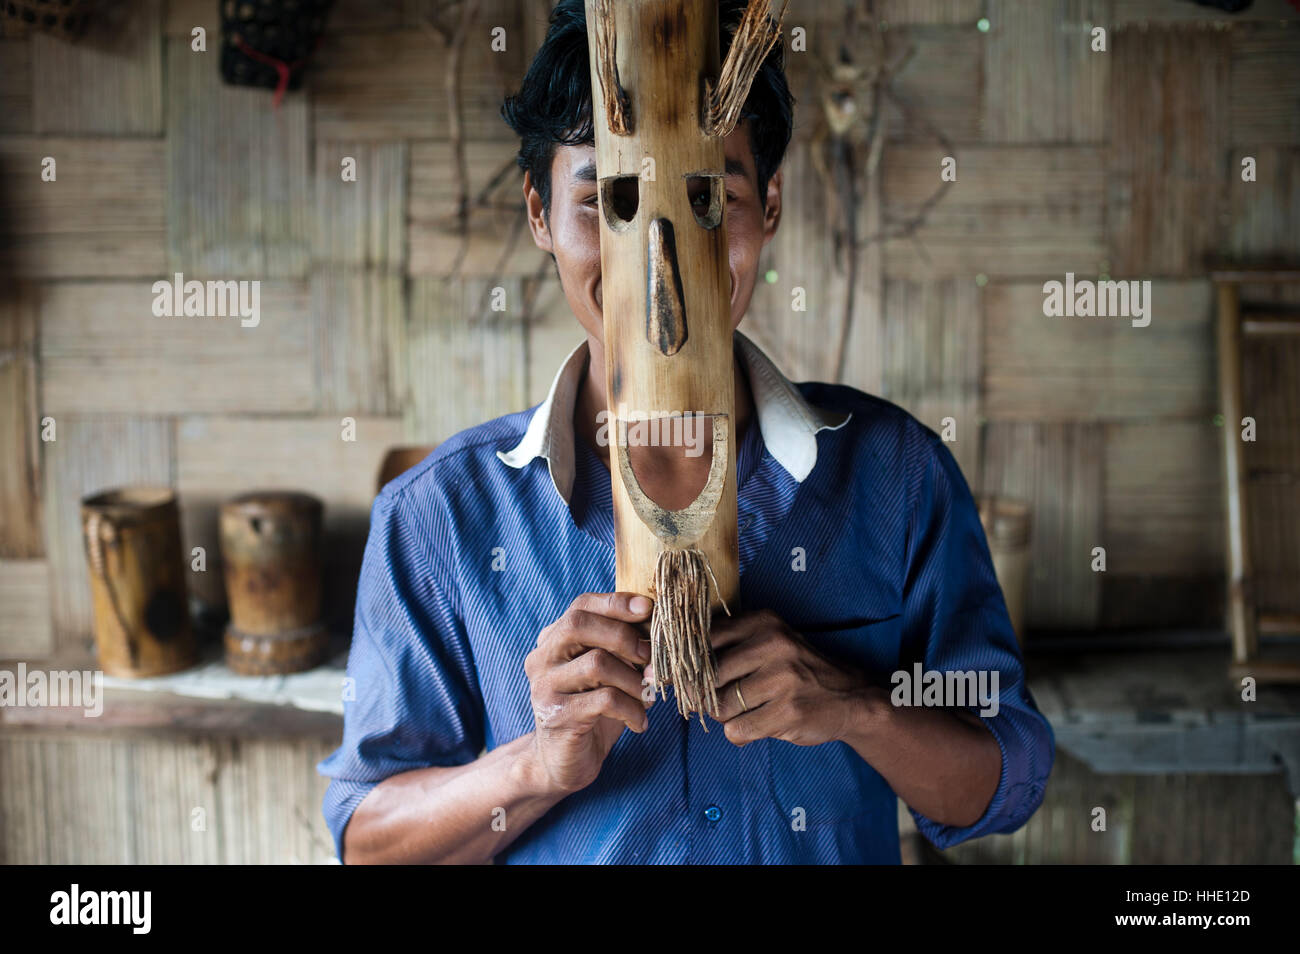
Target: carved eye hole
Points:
(705, 194)
(619, 197)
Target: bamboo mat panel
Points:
(106, 333)
(1160, 13)
(361, 223)
(359, 322)
(1013, 211)
(1057, 368)
(20, 423)
(25, 610)
(498, 242)
(1166, 163)
(552, 333)
(932, 353)
(1271, 395)
(466, 364)
(1265, 90)
(362, 16)
(1150, 819)
(109, 86)
(387, 86)
(942, 87)
(1163, 602)
(16, 90)
(270, 802)
(25, 832)
(1274, 514)
(804, 344)
(1043, 83)
(86, 799)
(931, 12)
(238, 175)
(1059, 469)
(102, 217)
(1265, 213)
(1164, 498)
(818, 14)
(182, 16)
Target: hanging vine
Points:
(854, 81)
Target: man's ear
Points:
(772, 209)
(536, 216)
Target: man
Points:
(485, 619)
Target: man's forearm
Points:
(944, 764)
(450, 815)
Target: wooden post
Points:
(1240, 605)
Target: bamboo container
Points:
(1006, 525)
(137, 581)
(399, 460)
(270, 552)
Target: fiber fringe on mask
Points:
(679, 631)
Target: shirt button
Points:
(713, 813)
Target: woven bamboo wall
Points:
(87, 799)
(1150, 819)
(375, 306)
(71, 799)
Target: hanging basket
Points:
(66, 19)
(266, 43)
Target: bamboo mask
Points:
(662, 108)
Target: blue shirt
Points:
(863, 536)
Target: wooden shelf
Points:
(207, 699)
(142, 713)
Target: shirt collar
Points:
(788, 423)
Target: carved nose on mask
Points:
(665, 305)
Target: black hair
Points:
(553, 105)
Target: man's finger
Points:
(596, 668)
(587, 630)
(754, 692)
(738, 661)
(749, 727)
(629, 607)
(610, 703)
(728, 630)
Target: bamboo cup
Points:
(270, 552)
(137, 581)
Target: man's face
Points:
(572, 234)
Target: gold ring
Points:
(743, 707)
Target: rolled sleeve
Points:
(956, 620)
(412, 699)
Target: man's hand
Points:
(587, 686)
(790, 690)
